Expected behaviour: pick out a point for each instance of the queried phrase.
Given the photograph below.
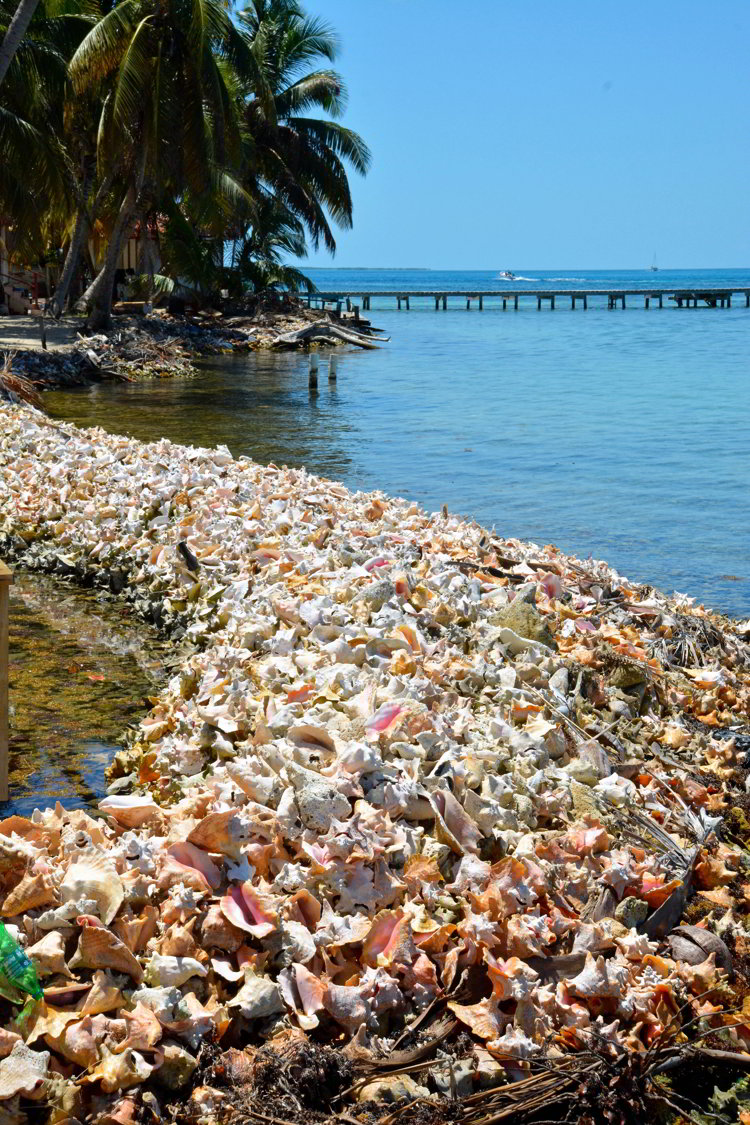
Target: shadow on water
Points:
(80, 671)
(260, 406)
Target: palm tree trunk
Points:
(84, 219)
(103, 285)
(15, 33)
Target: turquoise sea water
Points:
(619, 433)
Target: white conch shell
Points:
(132, 810)
(318, 800)
(297, 943)
(258, 997)
(23, 1072)
(256, 780)
(48, 955)
(168, 970)
(94, 877)
(599, 978)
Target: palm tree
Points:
(258, 259)
(167, 109)
(299, 158)
(15, 33)
(32, 153)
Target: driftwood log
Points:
(321, 331)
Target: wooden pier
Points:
(544, 298)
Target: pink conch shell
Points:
(77, 1043)
(172, 873)
(244, 908)
(303, 992)
(99, 948)
(385, 720)
(486, 1018)
(390, 941)
(191, 856)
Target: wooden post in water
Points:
(5, 580)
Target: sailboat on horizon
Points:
(654, 267)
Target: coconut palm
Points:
(14, 33)
(301, 159)
(259, 259)
(33, 180)
(167, 109)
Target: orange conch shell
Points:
(136, 932)
(221, 832)
(32, 891)
(99, 948)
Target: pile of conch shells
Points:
(404, 761)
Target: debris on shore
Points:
(467, 810)
(159, 345)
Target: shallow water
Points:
(617, 433)
(80, 670)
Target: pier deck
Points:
(614, 298)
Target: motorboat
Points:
(507, 275)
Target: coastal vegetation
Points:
(209, 135)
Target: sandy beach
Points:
(409, 770)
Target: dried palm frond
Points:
(17, 387)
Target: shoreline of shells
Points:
(400, 754)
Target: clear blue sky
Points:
(522, 133)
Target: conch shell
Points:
(130, 811)
(94, 877)
(222, 832)
(31, 892)
(48, 955)
(173, 970)
(245, 908)
(99, 948)
(23, 1072)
